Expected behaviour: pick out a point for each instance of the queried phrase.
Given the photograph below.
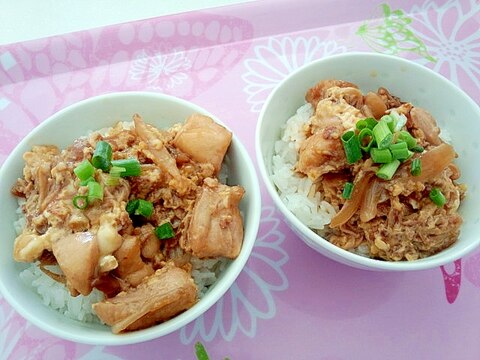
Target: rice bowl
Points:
(369, 71)
(63, 128)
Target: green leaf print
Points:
(393, 35)
(201, 352)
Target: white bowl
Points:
(61, 129)
(451, 107)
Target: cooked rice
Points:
(296, 191)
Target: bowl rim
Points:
(353, 259)
(214, 294)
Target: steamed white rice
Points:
(296, 191)
(205, 272)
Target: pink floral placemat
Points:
(289, 302)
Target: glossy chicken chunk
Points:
(77, 255)
(203, 140)
(216, 226)
(159, 297)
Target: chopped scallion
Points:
(132, 205)
(408, 138)
(140, 207)
(84, 170)
(390, 121)
(95, 191)
(365, 138)
(80, 202)
(114, 175)
(131, 166)
(383, 156)
(437, 197)
(416, 167)
(400, 150)
(368, 123)
(417, 149)
(347, 191)
(102, 156)
(165, 231)
(387, 171)
(351, 146)
(383, 135)
(86, 181)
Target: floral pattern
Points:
(451, 33)
(277, 58)
(237, 310)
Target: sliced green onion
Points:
(400, 151)
(95, 191)
(417, 149)
(383, 156)
(165, 231)
(416, 167)
(140, 207)
(383, 135)
(390, 121)
(365, 138)
(102, 156)
(347, 191)
(437, 197)
(387, 171)
(144, 208)
(351, 146)
(400, 120)
(131, 166)
(408, 138)
(114, 175)
(86, 181)
(80, 202)
(368, 123)
(84, 170)
(132, 205)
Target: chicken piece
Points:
(28, 246)
(425, 126)
(160, 156)
(159, 297)
(77, 255)
(322, 152)
(375, 104)
(331, 112)
(203, 140)
(351, 95)
(131, 268)
(318, 92)
(216, 226)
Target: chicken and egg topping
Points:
(125, 213)
(383, 166)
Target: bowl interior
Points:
(456, 114)
(61, 129)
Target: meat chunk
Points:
(131, 268)
(216, 226)
(77, 255)
(322, 152)
(425, 126)
(203, 140)
(159, 297)
(318, 92)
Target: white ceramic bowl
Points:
(451, 107)
(61, 129)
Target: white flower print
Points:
(278, 58)
(161, 71)
(235, 311)
(452, 35)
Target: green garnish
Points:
(102, 156)
(131, 166)
(84, 170)
(140, 207)
(351, 146)
(80, 202)
(347, 190)
(383, 135)
(416, 167)
(165, 231)
(95, 191)
(383, 156)
(437, 197)
(387, 171)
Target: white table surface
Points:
(22, 20)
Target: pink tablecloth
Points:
(289, 302)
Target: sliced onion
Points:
(368, 207)
(352, 205)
